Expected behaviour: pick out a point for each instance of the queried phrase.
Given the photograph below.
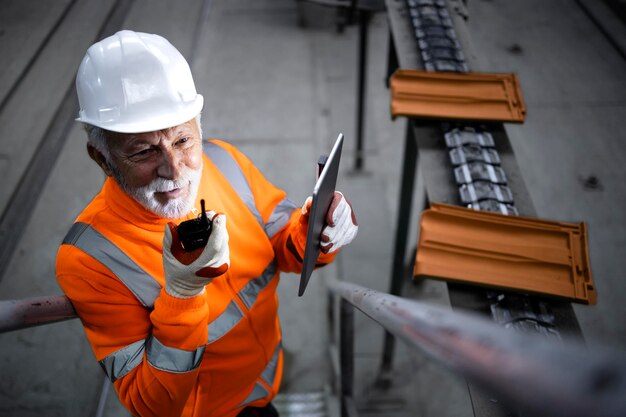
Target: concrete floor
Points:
(281, 93)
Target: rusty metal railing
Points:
(28, 312)
(529, 373)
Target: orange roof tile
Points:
(520, 253)
(457, 96)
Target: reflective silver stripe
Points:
(257, 393)
(119, 363)
(251, 291)
(268, 376)
(280, 217)
(225, 321)
(96, 245)
(172, 359)
(232, 172)
(233, 314)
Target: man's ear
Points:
(97, 156)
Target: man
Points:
(192, 333)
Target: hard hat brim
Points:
(158, 122)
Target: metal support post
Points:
(392, 59)
(364, 18)
(333, 345)
(404, 210)
(346, 336)
(403, 221)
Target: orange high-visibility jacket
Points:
(210, 355)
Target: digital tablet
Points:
(322, 197)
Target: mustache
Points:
(160, 185)
(145, 195)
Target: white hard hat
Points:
(135, 82)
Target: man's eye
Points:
(142, 154)
(184, 139)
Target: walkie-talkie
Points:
(194, 233)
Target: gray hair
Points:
(97, 137)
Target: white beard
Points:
(174, 208)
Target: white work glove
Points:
(341, 225)
(186, 273)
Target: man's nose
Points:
(170, 166)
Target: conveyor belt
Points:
(475, 162)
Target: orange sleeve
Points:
(289, 244)
(114, 319)
(290, 240)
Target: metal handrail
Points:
(28, 312)
(528, 372)
(531, 373)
